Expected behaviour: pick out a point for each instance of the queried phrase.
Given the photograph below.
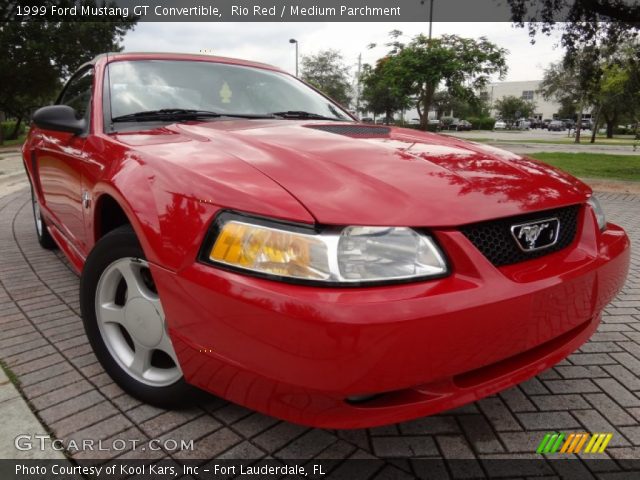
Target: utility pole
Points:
(430, 16)
(426, 114)
(358, 85)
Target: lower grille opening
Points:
(358, 399)
(470, 379)
(484, 374)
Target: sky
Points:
(269, 42)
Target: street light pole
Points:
(430, 16)
(358, 84)
(293, 40)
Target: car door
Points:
(59, 158)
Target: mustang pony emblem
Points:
(536, 235)
(531, 233)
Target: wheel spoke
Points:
(141, 359)
(112, 313)
(166, 346)
(130, 271)
(155, 301)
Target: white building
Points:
(527, 90)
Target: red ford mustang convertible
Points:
(237, 231)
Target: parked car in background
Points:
(556, 126)
(237, 231)
(499, 125)
(585, 124)
(446, 121)
(460, 125)
(546, 122)
(385, 121)
(435, 124)
(569, 123)
(522, 124)
(367, 120)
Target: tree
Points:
(618, 95)
(37, 56)
(327, 72)
(380, 94)
(560, 83)
(574, 81)
(611, 99)
(609, 82)
(462, 65)
(444, 103)
(567, 108)
(582, 22)
(25, 56)
(599, 27)
(512, 108)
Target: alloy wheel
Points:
(36, 214)
(132, 323)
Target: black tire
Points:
(45, 239)
(121, 243)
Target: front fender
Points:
(169, 226)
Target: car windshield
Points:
(164, 85)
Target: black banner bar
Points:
(259, 10)
(317, 469)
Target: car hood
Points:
(363, 174)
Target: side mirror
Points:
(61, 118)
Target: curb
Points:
(18, 419)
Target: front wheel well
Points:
(109, 216)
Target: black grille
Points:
(363, 131)
(494, 239)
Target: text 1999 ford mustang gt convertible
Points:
(238, 231)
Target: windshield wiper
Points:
(299, 114)
(179, 114)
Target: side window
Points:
(77, 93)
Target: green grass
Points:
(14, 143)
(583, 141)
(559, 141)
(10, 375)
(594, 165)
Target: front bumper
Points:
(297, 352)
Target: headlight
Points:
(599, 212)
(350, 255)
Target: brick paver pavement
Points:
(42, 341)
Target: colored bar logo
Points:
(556, 442)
